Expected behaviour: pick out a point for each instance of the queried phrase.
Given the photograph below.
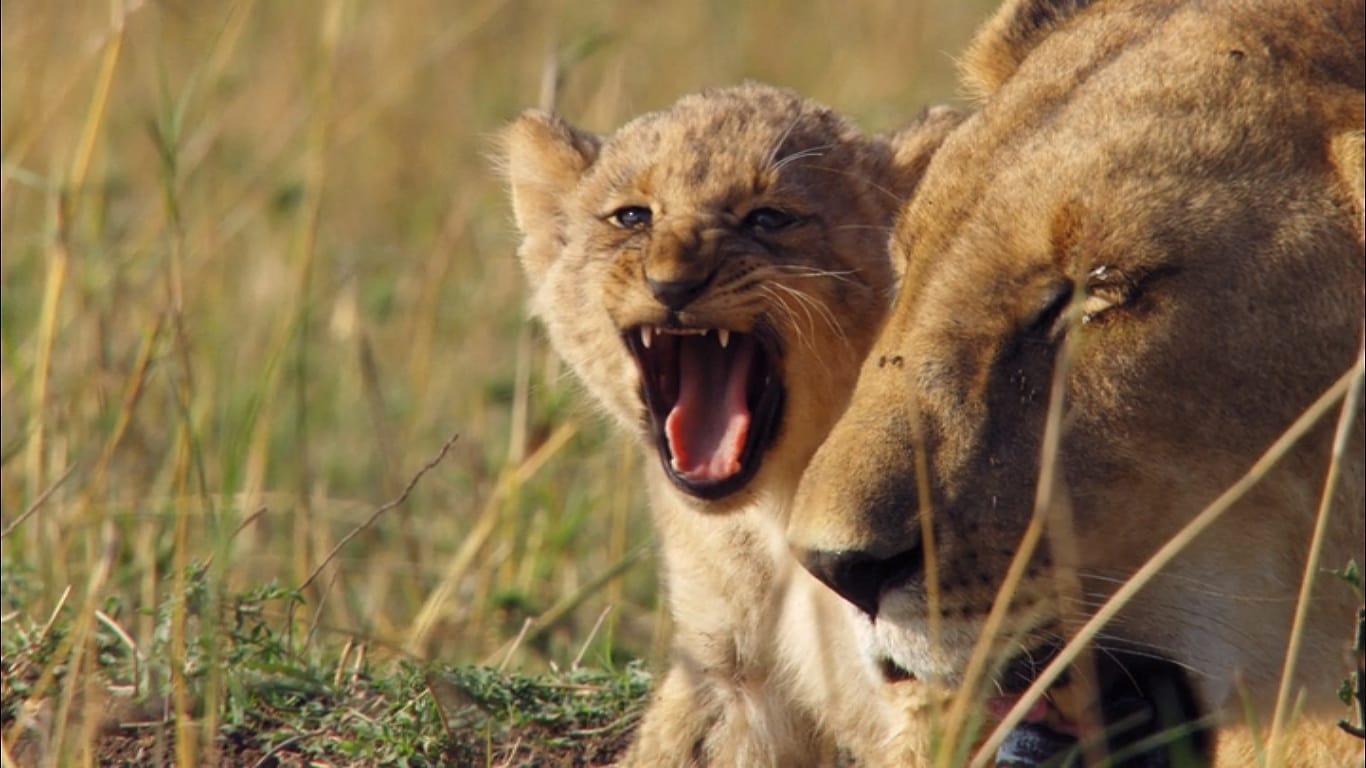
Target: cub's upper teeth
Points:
(648, 333)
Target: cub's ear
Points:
(915, 144)
(1008, 37)
(543, 157)
(1348, 151)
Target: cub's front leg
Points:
(674, 730)
(728, 699)
(702, 719)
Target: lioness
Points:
(714, 273)
(1185, 177)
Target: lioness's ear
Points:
(543, 157)
(1008, 37)
(915, 144)
(1349, 154)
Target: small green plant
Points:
(1351, 691)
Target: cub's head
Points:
(1172, 191)
(714, 272)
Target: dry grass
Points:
(257, 271)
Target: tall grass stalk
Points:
(442, 597)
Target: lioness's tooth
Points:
(646, 335)
(723, 336)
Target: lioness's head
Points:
(1187, 177)
(715, 271)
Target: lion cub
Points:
(714, 273)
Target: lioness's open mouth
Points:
(715, 402)
(1149, 712)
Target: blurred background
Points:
(257, 270)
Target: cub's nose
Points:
(861, 577)
(675, 294)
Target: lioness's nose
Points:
(861, 577)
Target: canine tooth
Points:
(723, 336)
(647, 335)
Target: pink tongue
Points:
(708, 425)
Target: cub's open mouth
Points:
(1149, 713)
(715, 402)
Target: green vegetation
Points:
(257, 269)
(286, 703)
(1352, 692)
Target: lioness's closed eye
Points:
(714, 273)
(1186, 175)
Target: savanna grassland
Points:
(286, 478)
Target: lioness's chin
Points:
(902, 642)
(714, 401)
(904, 650)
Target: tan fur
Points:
(1194, 170)
(764, 668)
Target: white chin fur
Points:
(901, 634)
(908, 645)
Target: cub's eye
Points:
(769, 220)
(632, 217)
